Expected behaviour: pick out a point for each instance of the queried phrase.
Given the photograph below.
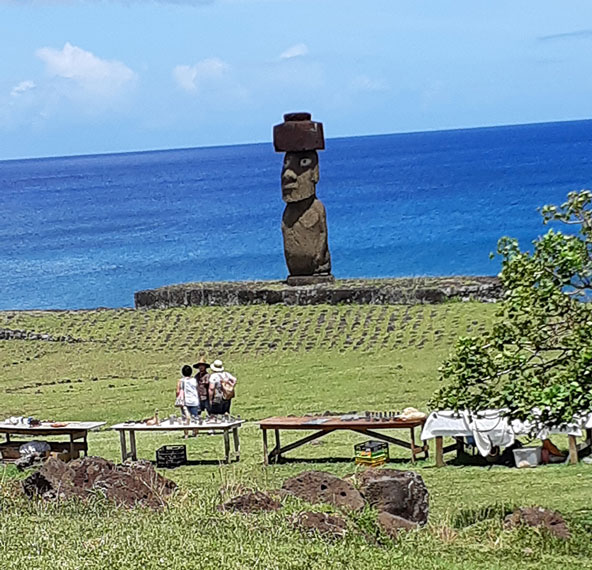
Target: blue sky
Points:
(93, 76)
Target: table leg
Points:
(85, 444)
(573, 450)
(277, 445)
(265, 455)
(7, 438)
(236, 444)
(226, 446)
(413, 448)
(440, 451)
(72, 446)
(132, 438)
(123, 445)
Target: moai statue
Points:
(304, 223)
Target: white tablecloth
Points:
(489, 428)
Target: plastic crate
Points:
(371, 453)
(171, 456)
(371, 447)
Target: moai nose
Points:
(289, 175)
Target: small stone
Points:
(392, 524)
(321, 523)
(539, 517)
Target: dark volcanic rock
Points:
(320, 487)
(539, 517)
(126, 485)
(395, 291)
(400, 493)
(322, 523)
(251, 503)
(392, 524)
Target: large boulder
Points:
(126, 485)
(400, 493)
(320, 487)
(539, 517)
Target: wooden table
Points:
(445, 423)
(225, 428)
(74, 430)
(323, 425)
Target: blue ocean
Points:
(88, 231)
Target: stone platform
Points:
(394, 291)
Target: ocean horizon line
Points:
(269, 142)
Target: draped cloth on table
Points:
(490, 428)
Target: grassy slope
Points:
(288, 360)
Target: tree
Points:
(536, 362)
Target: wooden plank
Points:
(383, 437)
(440, 451)
(123, 445)
(573, 449)
(335, 422)
(226, 446)
(299, 443)
(132, 438)
(265, 454)
(236, 443)
(278, 447)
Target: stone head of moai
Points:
(300, 138)
(304, 222)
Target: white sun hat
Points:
(217, 366)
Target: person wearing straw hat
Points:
(203, 384)
(221, 390)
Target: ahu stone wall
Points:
(403, 291)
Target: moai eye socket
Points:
(304, 162)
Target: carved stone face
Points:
(300, 175)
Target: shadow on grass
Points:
(285, 460)
(197, 462)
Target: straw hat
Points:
(202, 360)
(217, 366)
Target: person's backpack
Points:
(227, 385)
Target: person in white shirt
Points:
(221, 390)
(187, 396)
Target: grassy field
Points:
(289, 361)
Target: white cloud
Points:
(192, 77)
(296, 50)
(365, 83)
(95, 75)
(22, 87)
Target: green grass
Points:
(289, 360)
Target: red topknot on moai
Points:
(304, 223)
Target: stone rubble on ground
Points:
(126, 485)
(401, 498)
(322, 523)
(539, 517)
(254, 502)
